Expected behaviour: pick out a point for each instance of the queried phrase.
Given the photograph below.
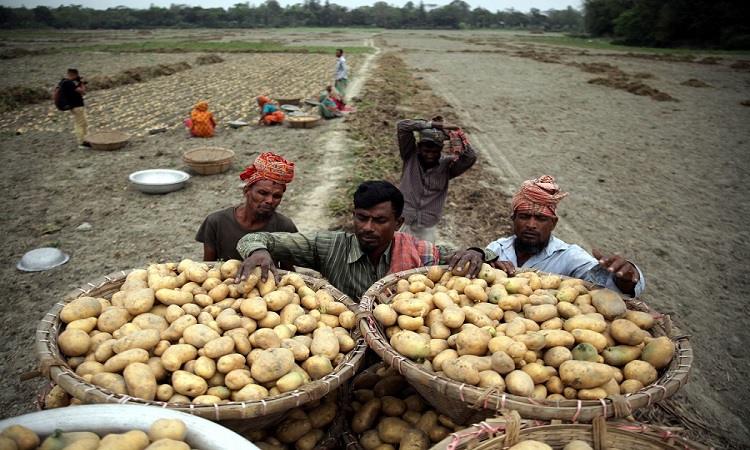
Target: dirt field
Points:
(651, 150)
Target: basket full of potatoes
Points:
(188, 336)
(547, 346)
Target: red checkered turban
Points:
(540, 196)
(269, 166)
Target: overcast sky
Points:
(492, 5)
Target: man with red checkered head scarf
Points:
(265, 184)
(534, 216)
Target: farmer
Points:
(340, 73)
(425, 173)
(73, 88)
(201, 122)
(327, 107)
(534, 215)
(265, 183)
(354, 262)
(337, 99)
(269, 113)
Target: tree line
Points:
(721, 24)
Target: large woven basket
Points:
(107, 140)
(467, 404)
(504, 432)
(264, 412)
(309, 121)
(289, 101)
(209, 160)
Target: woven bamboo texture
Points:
(209, 160)
(504, 432)
(234, 415)
(295, 101)
(107, 140)
(303, 121)
(467, 404)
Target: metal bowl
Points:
(159, 181)
(42, 259)
(110, 418)
(237, 123)
(290, 108)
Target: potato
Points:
(317, 366)
(461, 370)
(592, 337)
(630, 386)
(272, 364)
(390, 429)
(608, 303)
(176, 355)
(557, 338)
(577, 445)
(472, 341)
(584, 374)
(130, 440)
(188, 384)
(56, 398)
(585, 352)
(173, 296)
(530, 445)
(659, 352)
(365, 416)
(80, 308)
(556, 356)
(145, 339)
(540, 313)
(74, 342)
(644, 320)
(502, 363)
(168, 444)
(538, 373)
(619, 355)
(112, 319)
(640, 370)
(147, 321)
(322, 414)
(490, 378)
(585, 322)
(325, 343)
(520, 383)
(113, 382)
(290, 382)
(121, 360)
(199, 335)
(140, 381)
(414, 439)
(23, 437)
(390, 385)
(533, 340)
(410, 344)
(626, 332)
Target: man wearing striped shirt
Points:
(354, 262)
(426, 173)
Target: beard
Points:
(258, 215)
(368, 247)
(525, 247)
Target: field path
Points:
(313, 214)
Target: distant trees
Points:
(668, 23)
(310, 13)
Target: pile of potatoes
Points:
(301, 428)
(189, 333)
(389, 414)
(164, 434)
(535, 336)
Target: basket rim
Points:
(107, 137)
(490, 400)
(53, 364)
(228, 156)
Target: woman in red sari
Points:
(201, 123)
(269, 113)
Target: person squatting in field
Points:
(534, 216)
(265, 184)
(269, 113)
(201, 122)
(426, 172)
(353, 262)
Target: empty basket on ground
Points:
(240, 416)
(289, 101)
(466, 403)
(303, 121)
(504, 432)
(209, 160)
(107, 140)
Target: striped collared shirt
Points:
(425, 190)
(335, 254)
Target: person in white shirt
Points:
(534, 215)
(340, 73)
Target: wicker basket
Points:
(264, 412)
(289, 101)
(209, 160)
(303, 121)
(504, 432)
(467, 404)
(107, 140)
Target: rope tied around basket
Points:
(44, 369)
(483, 399)
(620, 405)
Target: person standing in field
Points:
(340, 73)
(265, 184)
(426, 172)
(73, 88)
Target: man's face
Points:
(429, 153)
(374, 227)
(532, 231)
(338, 53)
(262, 198)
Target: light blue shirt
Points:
(564, 259)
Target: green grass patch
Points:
(606, 44)
(227, 47)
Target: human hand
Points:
(437, 118)
(616, 264)
(450, 126)
(506, 266)
(474, 258)
(259, 258)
